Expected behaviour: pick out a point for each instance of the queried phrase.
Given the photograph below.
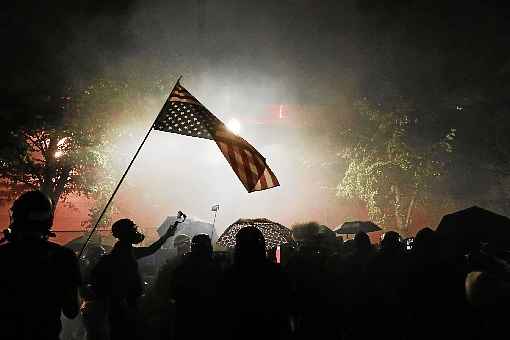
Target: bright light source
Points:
(59, 154)
(234, 125)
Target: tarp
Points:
(191, 227)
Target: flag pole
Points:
(122, 179)
(214, 220)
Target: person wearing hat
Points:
(116, 278)
(194, 288)
(39, 279)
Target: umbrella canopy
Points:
(106, 241)
(355, 227)
(77, 243)
(311, 232)
(474, 225)
(274, 233)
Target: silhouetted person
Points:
(182, 245)
(309, 270)
(392, 244)
(39, 279)
(488, 290)
(93, 310)
(386, 281)
(360, 256)
(255, 293)
(195, 288)
(356, 285)
(158, 305)
(117, 279)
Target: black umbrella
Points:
(106, 241)
(274, 233)
(355, 227)
(77, 243)
(474, 225)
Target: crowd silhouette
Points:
(315, 288)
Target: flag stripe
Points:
(262, 178)
(274, 180)
(268, 178)
(251, 179)
(242, 173)
(184, 100)
(236, 140)
(232, 161)
(256, 170)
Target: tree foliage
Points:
(58, 144)
(50, 145)
(67, 144)
(393, 163)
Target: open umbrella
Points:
(474, 225)
(274, 233)
(77, 243)
(311, 232)
(355, 227)
(106, 241)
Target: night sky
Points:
(250, 60)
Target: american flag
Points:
(185, 115)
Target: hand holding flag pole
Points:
(120, 182)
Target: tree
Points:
(52, 145)
(68, 144)
(393, 162)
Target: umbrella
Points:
(106, 241)
(274, 233)
(312, 232)
(355, 227)
(474, 225)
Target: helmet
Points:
(126, 230)
(32, 212)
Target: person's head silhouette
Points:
(250, 245)
(425, 241)
(201, 246)
(391, 242)
(362, 242)
(31, 217)
(127, 231)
